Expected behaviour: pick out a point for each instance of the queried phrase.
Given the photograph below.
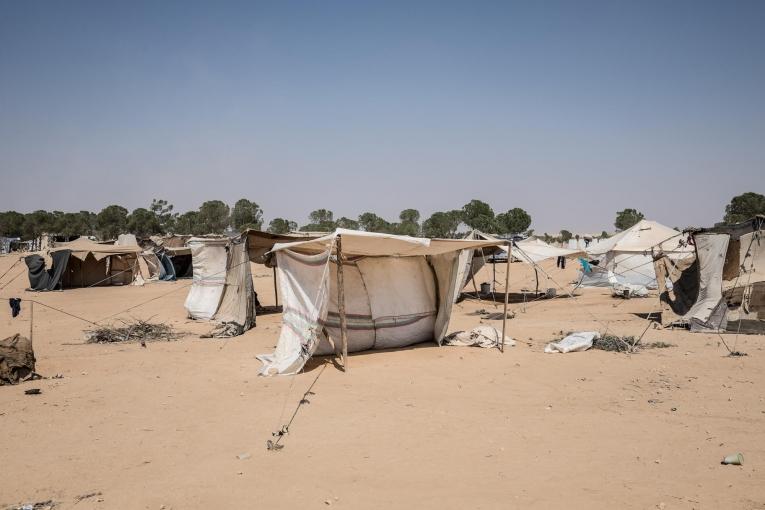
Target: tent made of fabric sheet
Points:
(627, 257)
(530, 251)
(222, 289)
(730, 276)
(398, 291)
(472, 260)
(84, 263)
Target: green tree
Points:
(370, 222)
(281, 226)
(604, 235)
(627, 218)
(112, 221)
(164, 213)
(565, 236)
(410, 222)
(213, 217)
(37, 223)
(187, 223)
(81, 223)
(347, 223)
(11, 224)
(479, 215)
(514, 221)
(320, 220)
(143, 223)
(246, 215)
(744, 207)
(442, 224)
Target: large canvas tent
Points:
(84, 263)
(387, 291)
(222, 289)
(627, 257)
(723, 289)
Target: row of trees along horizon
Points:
(215, 216)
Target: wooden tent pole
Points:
(341, 301)
(507, 293)
(276, 294)
(31, 322)
(536, 276)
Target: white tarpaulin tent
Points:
(627, 257)
(221, 288)
(536, 250)
(398, 291)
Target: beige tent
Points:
(93, 264)
(723, 287)
(387, 291)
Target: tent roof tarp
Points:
(260, 243)
(643, 237)
(373, 244)
(81, 247)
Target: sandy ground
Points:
(425, 427)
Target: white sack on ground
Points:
(574, 342)
(480, 336)
(632, 290)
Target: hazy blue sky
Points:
(571, 109)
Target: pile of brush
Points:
(134, 330)
(616, 343)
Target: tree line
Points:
(215, 217)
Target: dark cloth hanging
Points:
(561, 262)
(15, 306)
(47, 279)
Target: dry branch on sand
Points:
(135, 330)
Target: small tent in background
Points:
(173, 257)
(723, 288)
(627, 257)
(397, 291)
(530, 251)
(84, 263)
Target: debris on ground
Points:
(33, 391)
(87, 496)
(480, 336)
(17, 360)
(41, 505)
(736, 459)
(131, 331)
(658, 345)
(573, 342)
(615, 343)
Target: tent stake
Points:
(276, 294)
(507, 292)
(341, 302)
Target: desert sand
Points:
(162, 427)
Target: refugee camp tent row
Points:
(83, 263)
(627, 257)
(351, 291)
(529, 251)
(723, 287)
